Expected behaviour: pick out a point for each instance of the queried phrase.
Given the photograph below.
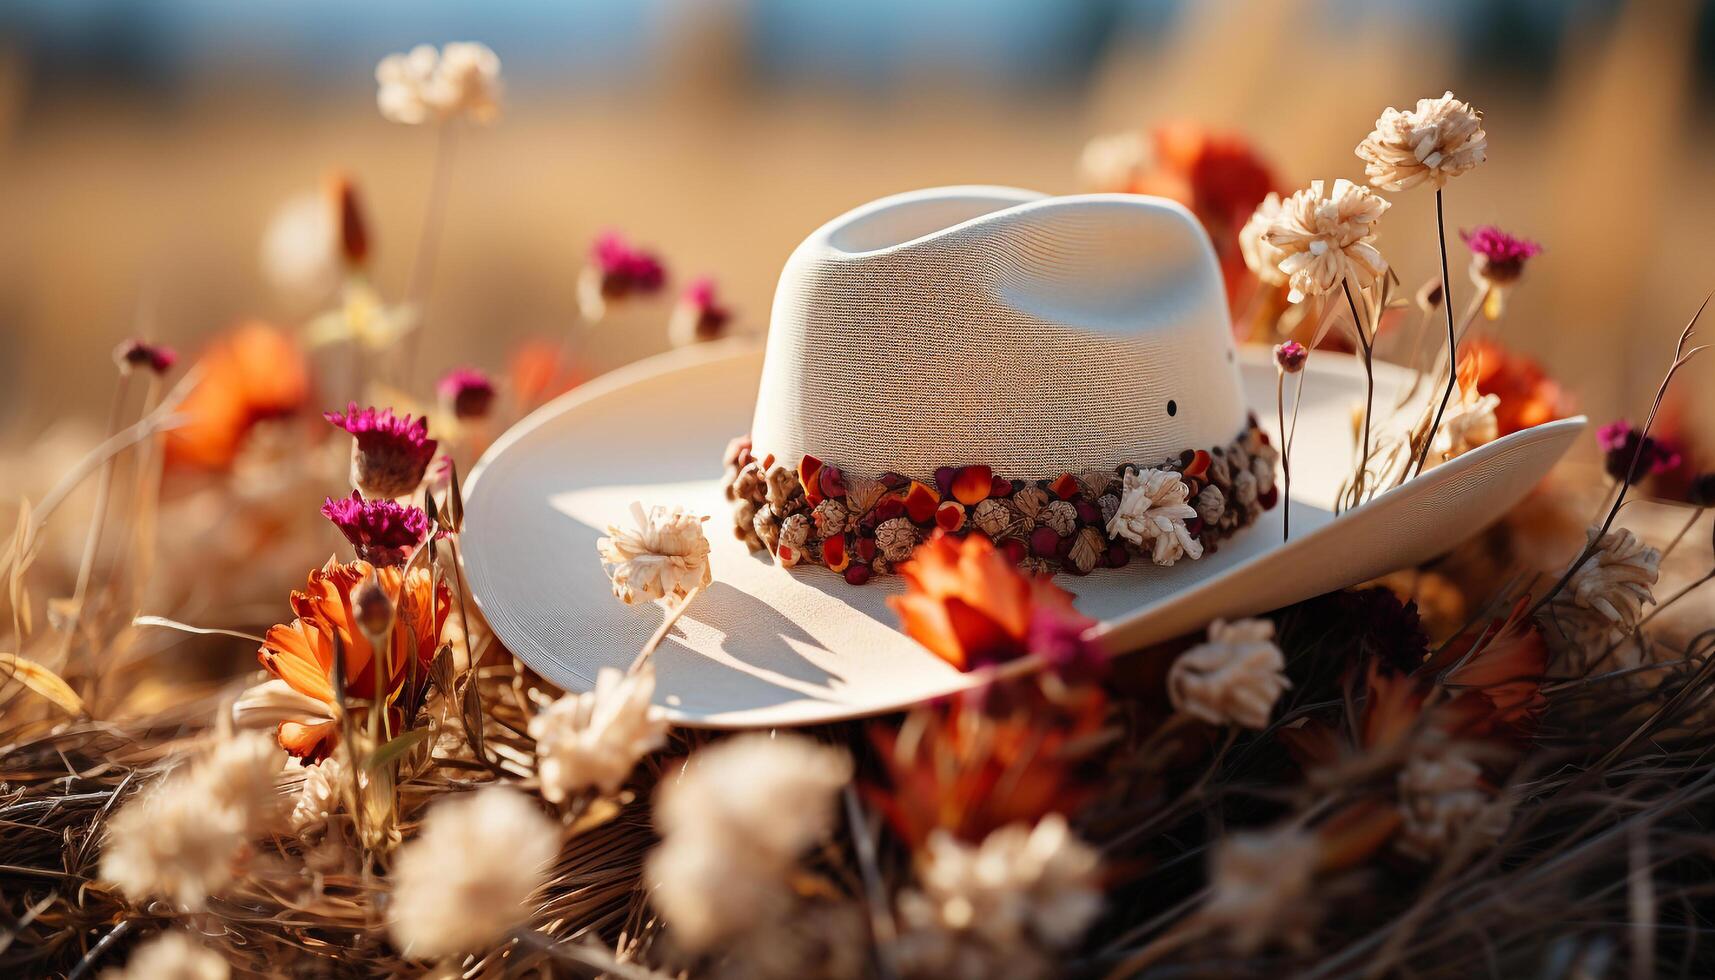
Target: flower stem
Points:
(97, 518)
(428, 244)
(1285, 454)
(1452, 334)
(1360, 479)
(1695, 514)
(673, 614)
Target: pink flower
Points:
(1496, 256)
(1622, 442)
(624, 268)
(139, 353)
(1291, 356)
(1057, 635)
(466, 392)
(699, 315)
(382, 531)
(389, 453)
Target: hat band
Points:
(1078, 522)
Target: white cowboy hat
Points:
(960, 325)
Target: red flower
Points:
(248, 375)
(1528, 395)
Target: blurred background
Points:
(145, 148)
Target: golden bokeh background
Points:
(130, 204)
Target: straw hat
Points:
(1073, 353)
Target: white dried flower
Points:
(1325, 240)
(594, 739)
(1261, 256)
(1616, 581)
(1114, 162)
(171, 956)
(1153, 510)
(1442, 798)
(732, 824)
(1469, 422)
(181, 838)
(321, 795)
(425, 85)
(463, 882)
(1022, 884)
(1439, 139)
(667, 555)
(896, 538)
(1233, 679)
(300, 249)
(1260, 888)
(168, 843)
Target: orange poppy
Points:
(301, 652)
(252, 373)
(1528, 395)
(968, 603)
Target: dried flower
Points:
(1059, 635)
(300, 254)
(667, 555)
(181, 838)
(1021, 883)
(466, 393)
(389, 453)
(320, 795)
(384, 532)
(1291, 356)
(1261, 256)
(353, 231)
(1114, 162)
(1528, 396)
(1439, 139)
(699, 315)
(617, 271)
(732, 824)
(249, 375)
(1326, 240)
(896, 538)
(594, 739)
(1497, 258)
(171, 955)
(301, 652)
(463, 882)
(1153, 510)
(1442, 797)
(139, 353)
(966, 602)
(1260, 888)
(425, 85)
(1622, 443)
(1233, 679)
(1470, 422)
(364, 319)
(1617, 579)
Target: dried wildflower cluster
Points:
(859, 527)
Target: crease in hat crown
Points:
(993, 325)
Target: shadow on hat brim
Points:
(766, 646)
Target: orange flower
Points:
(301, 652)
(1498, 688)
(958, 767)
(539, 371)
(968, 604)
(1528, 395)
(249, 374)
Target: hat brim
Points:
(765, 646)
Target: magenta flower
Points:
(1622, 442)
(700, 316)
(1057, 636)
(1290, 356)
(382, 531)
(138, 353)
(625, 269)
(389, 453)
(466, 392)
(1496, 256)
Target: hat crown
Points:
(971, 325)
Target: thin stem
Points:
(673, 614)
(428, 244)
(1285, 455)
(1361, 477)
(1452, 334)
(1695, 514)
(97, 518)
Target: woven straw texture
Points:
(992, 325)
